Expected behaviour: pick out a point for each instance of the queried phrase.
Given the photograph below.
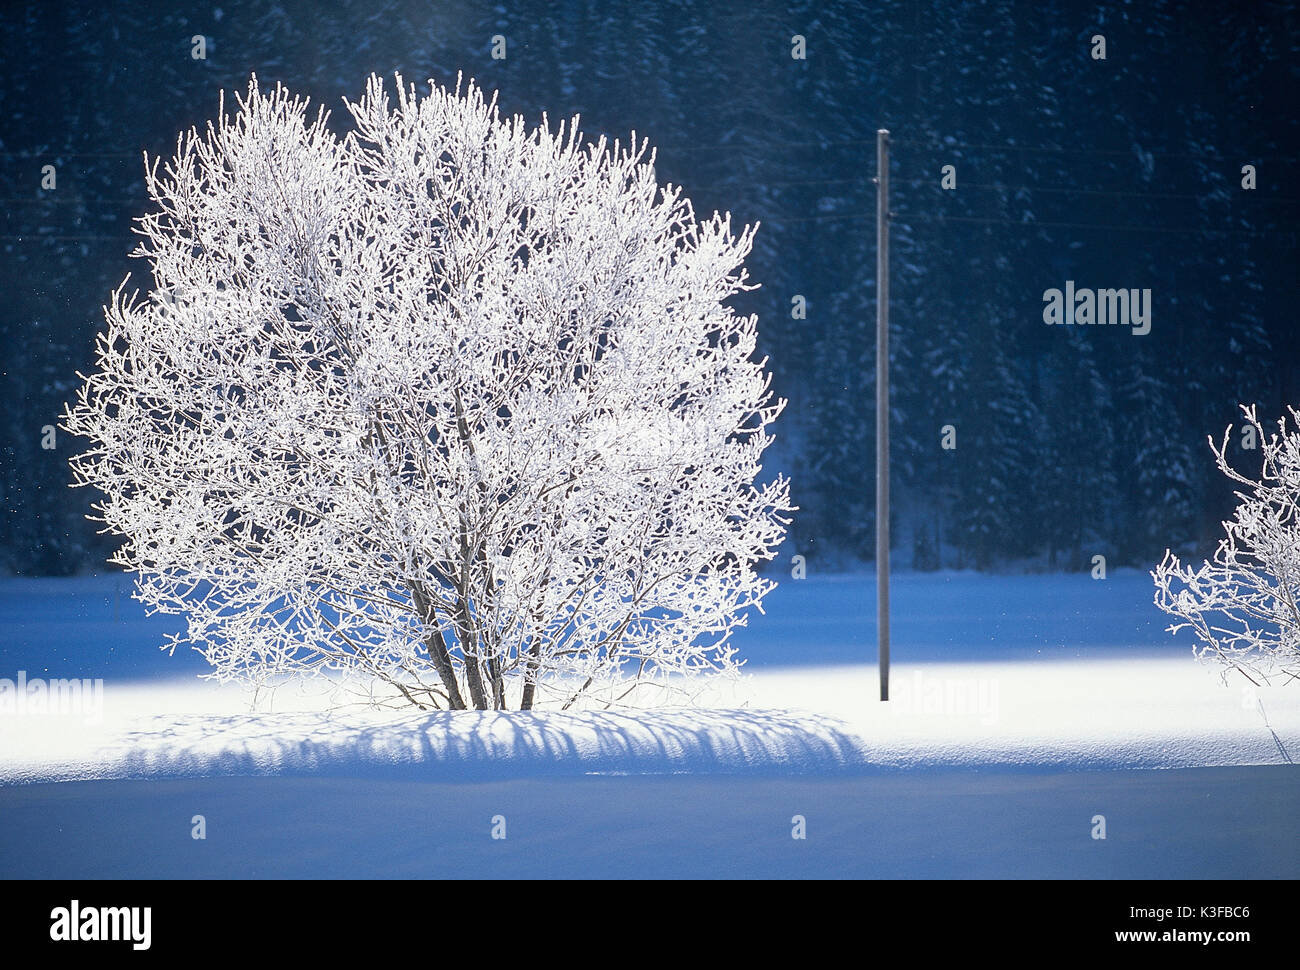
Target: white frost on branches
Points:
(1243, 604)
(449, 403)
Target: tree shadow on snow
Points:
(488, 745)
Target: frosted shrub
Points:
(1242, 605)
(449, 403)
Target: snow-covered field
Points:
(1021, 707)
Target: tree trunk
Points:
(498, 684)
(469, 644)
(530, 677)
(437, 648)
(438, 652)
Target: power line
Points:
(32, 237)
(1189, 231)
(1137, 195)
(933, 182)
(781, 183)
(1053, 149)
(768, 183)
(904, 219)
(60, 154)
(93, 201)
(820, 143)
(936, 146)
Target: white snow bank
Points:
(1054, 714)
(462, 745)
(1041, 715)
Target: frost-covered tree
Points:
(1244, 605)
(449, 403)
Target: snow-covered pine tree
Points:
(451, 404)
(995, 451)
(1244, 604)
(1074, 481)
(1154, 458)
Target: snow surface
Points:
(1017, 702)
(1229, 823)
(1088, 704)
(1055, 715)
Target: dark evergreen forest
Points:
(1123, 171)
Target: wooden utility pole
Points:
(882, 407)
